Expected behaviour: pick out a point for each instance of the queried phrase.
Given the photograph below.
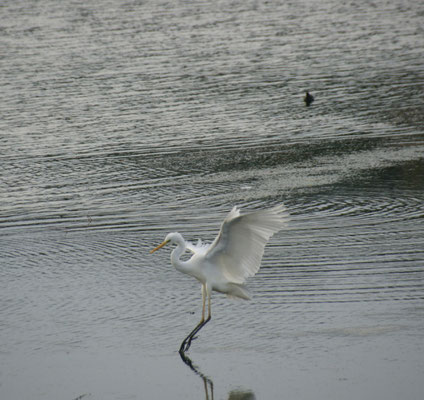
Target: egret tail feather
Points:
(238, 291)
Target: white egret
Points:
(233, 256)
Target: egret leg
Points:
(185, 345)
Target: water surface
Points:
(122, 121)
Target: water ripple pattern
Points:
(122, 121)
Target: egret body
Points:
(233, 256)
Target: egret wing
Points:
(239, 246)
(198, 248)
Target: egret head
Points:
(172, 237)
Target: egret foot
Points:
(185, 345)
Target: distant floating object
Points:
(308, 99)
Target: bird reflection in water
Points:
(241, 395)
(208, 383)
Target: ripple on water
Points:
(347, 248)
(115, 131)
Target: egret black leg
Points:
(185, 345)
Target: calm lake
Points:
(124, 120)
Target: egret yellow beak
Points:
(159, 247)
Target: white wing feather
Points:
(198, 248)
(239, 246)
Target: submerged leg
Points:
(185, 345)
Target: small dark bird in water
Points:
(308, 99)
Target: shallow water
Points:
(122, 121)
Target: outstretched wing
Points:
(239, 246)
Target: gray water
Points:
(124, 120)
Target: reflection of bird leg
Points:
(207, 382)
(185, 345)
